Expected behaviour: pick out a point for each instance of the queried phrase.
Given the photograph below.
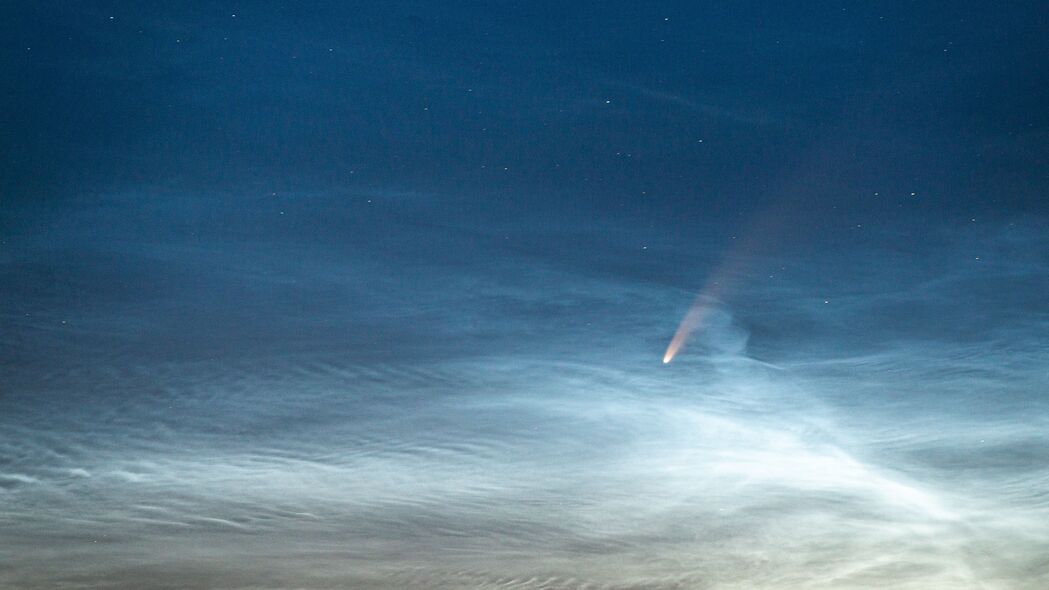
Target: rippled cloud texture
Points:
(377, 295)
(201, 394)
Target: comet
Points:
(689, 324)
(767, 230)
(718, 286)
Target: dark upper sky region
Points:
(375, 295)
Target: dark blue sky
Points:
(635, 109)
(374, 295)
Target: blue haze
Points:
(375, 295)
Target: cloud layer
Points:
(208, 403)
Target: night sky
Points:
(377, 295)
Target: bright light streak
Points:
(692, 320)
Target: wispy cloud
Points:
(532, 439)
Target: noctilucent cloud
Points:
(524, 295)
